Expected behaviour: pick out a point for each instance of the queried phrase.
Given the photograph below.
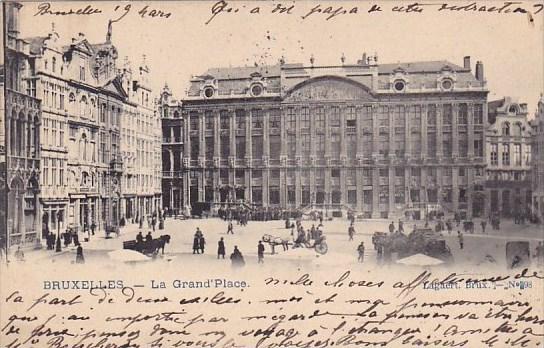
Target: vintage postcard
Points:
(265, 174)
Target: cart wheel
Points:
(321, 248)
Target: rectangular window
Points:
(193, 121)
(383, 117)
(305, 144)
(320, 118)
(240, 119)
(367, 197)
(291, 119)
(195, 148)
(478, 146)
(446, 114)
(431, 115)
(82, 73)
(275, 119)
(462, 116)
(431, 145)
(291, 145)
(305, 119)
(240, 147)
(320, 145)
(275, 146)
(334, 120)
(257, 119)
(61, 134)
(463, 145)
(54, 171)
(351, 118)
(224, 119)
(257, 147)
(506, 154)
(517, 154)
(351, 145)
(335, 145)
(225, 147)
(399, 195)
(209, 147)
(209, 120)
(478, 114)
(446, 144)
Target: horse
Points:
(159, 243)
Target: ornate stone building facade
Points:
(22, 138)
(538, 160)
(384, 140)
(508, 172)
(91, 132)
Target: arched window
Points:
(54, 64)
(84, 179)
(91, 111)
(505, 128)
(45, 64)
(72, 98)
(83, 147)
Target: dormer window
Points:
(513, 109)
(446, 84)
(209, 92)
(256, 89)
(399, 85)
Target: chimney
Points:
(466, 62)
(479, 71)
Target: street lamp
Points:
(58, 246)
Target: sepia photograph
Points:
(272, 174)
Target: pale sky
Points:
(177, 47)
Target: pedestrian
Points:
(201, 243)
(230, 228)
(153, 222)
(148, 237)
(237, 258)
(79, 254)
(75, 236)
(484, 224)
(312, 232)
(139, 237)
(93, 228)
(196, 244)
(260, 252)
(221, 248)
(401, 226)
(391, 227)
(351, 232)
(361, 251)
(19, 254)
(460, 237)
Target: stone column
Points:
(409, 111)
(359, 184)
(375, 131)
(470, 131)
(375, 193)
(298, 157)
(455, 188)
(439, 128)
(455, 131)
(424, 145)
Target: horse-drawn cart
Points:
(150, 247)
(319, 244)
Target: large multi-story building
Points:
(89, 106)
(508, 172)
(382, 139)
(538, 161)
(22, 138)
